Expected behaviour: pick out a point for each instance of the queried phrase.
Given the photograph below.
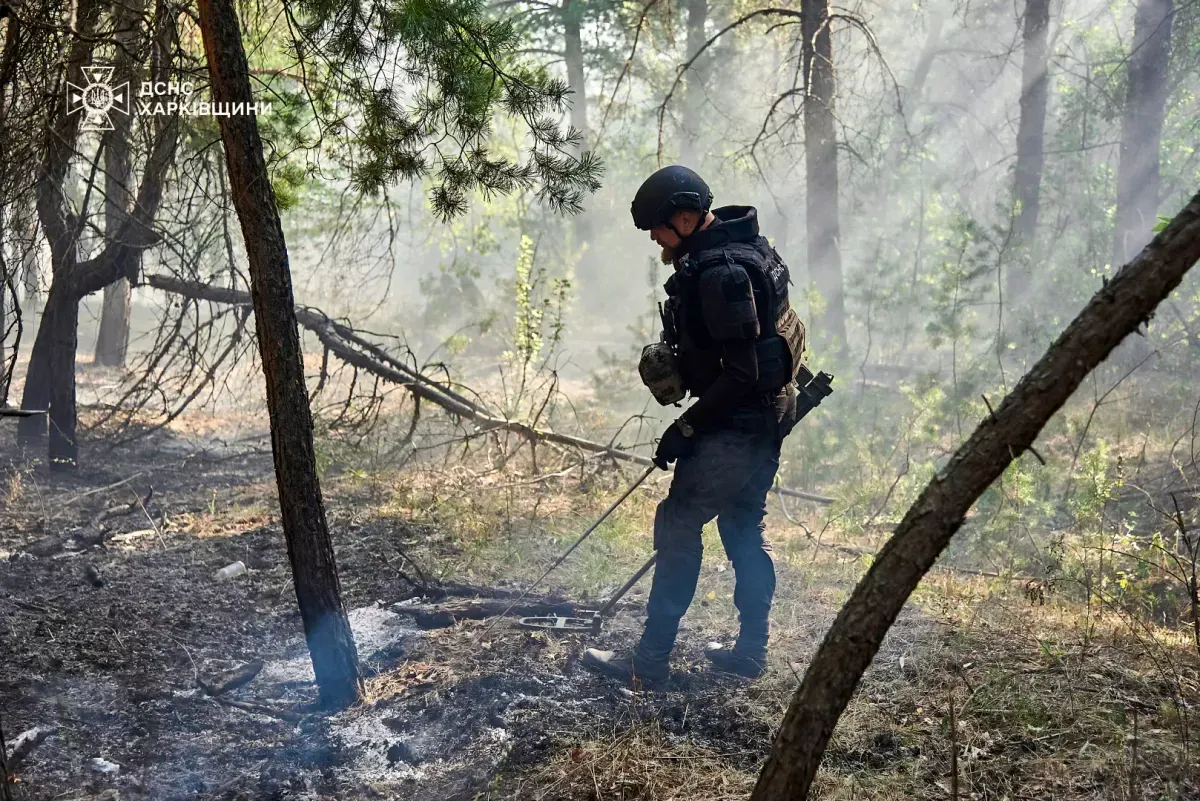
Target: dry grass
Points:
(643, 763)
(1046, 693)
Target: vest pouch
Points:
(774, 364)
(789, 327)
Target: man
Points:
(732, 340)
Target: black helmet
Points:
(664, 192)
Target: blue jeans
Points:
(727, 477)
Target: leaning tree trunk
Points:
(821, 172)
(113, 338)
(1030, 150)
(694, 83)
(330, 643)
(1138, 179)
(1116, 310)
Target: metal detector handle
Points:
(611, 602)
(6, 411)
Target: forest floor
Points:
(103, 647)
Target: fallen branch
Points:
(92, 533)
(231, 680)
(440, 616)
(351, 348)
(292, 715)
(23, 746)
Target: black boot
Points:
(634, 668)
(748, 662)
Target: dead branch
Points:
(292, 715)
(351, 348)
(231, 680)
(23, 746)
(440, 616)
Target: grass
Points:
(1046, 690)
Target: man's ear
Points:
(686, 220)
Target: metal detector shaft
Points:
(611, 602)
(599, 520)
(579, 542)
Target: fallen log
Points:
(351, 348)
(440, 616)
(440, 590)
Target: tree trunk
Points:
(933, 46)
(1141, 128)
(5, 282)
(572, 18)
(1030, 132)
(572, 14)
(821, 171)
(1116, 310)
(8, 283)
(113, 338)
(31, 292)
(63, 450)
(31, 431)
(330, 643)
(694, 84)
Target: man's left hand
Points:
(672, 446)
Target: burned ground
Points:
(110, 660)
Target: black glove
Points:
(672, 446)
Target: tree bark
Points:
(63, 449)
(113, 338)
(8, 61)
(1138, 179)
(821, 171)
(572, 19)
(572, 16)
(694, 84)
(314, 571)
(5, 281)
(1030, 149)
(1116, 310)
(31, 431)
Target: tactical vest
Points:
(780, 341)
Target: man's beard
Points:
(667, 255)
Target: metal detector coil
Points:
(588, 621)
